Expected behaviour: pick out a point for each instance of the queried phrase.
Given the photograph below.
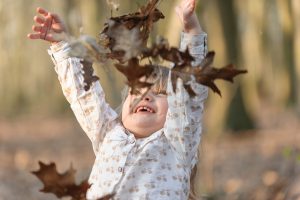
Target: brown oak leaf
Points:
(205, 74)
(125, 43)
(63, 184)
(133, 71)
(88, 76)
(126, 38)
(138, 24)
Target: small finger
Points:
(39, 19)
(34, 36)
(36, 28)
(39, 29)
(42, 11)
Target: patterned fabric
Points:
(156, 167)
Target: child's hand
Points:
(188, 17)
(49, 27)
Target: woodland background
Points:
(251, 143)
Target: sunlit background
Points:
(251, 143)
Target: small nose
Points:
(148, 97)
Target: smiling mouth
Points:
(144, 109)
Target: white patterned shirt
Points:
(157, 167)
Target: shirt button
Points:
(120, 169)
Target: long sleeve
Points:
(183, 125)
(95, 116)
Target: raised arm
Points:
(92, 112)
(95, 116)
(183, 125)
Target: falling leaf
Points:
(124, 39)
(139, 24)
(127, 42)
(61, 185)
(88, 74)
(134, 72)
(204, 73)
(88, 48)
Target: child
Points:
(149, 154)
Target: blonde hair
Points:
(160, 79)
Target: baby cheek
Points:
(125, 108)
(165, 106)
(164, 109)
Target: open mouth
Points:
(144, 109)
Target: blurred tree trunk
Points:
(237, 117)
(296, 20)
(250, 15)
(285, 13)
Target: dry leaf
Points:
(204, 73)
(127, 43)
(88, 48)
(88, 76)
(140, 21)
(63, 185)
(134, 72)
(126, 37)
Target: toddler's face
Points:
(148, 115)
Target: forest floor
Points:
(259, 165)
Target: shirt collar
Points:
(141, 142)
